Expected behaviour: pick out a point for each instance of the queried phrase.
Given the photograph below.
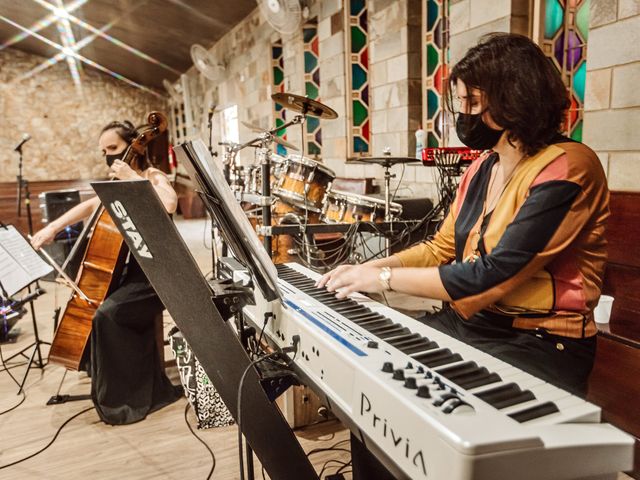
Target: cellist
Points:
(127, 379)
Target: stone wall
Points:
(64, 125)
(612, 97)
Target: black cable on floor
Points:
(7, 369)
(50, 443)
(213, 456)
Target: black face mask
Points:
(476, 134)
(112, 158)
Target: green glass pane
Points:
(360, 145)
(311, 90)
(360, 113)
(312, 124)
(358, 77)
(357, 6)
(433, 11)
(308, 34)
(358, 39)
(577, 132)
(313, 149)
(432, 140)
(582, 19)
(579, 79)
(433, 104)
(433, 59)
(279, 122)
(310, 62)
(553, 18)
(278, 76)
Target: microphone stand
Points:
(19, 181)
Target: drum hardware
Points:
(273, 133)
(258, 200)
(386, 162)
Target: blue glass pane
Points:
(357, 6)
(553, 18)
(360, 145)
(579, 79)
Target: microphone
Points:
(25, 138)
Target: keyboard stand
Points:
(163, 256)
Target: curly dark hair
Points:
(522, 90)
(127, 132)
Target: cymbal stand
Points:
(264, 154)
(387, 200)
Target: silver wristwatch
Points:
(385, 278)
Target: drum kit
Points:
(295, 189)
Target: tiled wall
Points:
(64, 126)
(612, 104)
(612, 98)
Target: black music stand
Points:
(22, 269)
(163, 256)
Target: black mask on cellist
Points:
(474, 133)
(112, 158)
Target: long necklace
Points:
(475, 253)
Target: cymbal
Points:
(304, 105)
(252, 127)
(385, 161)
(276, 139)
(285, 144)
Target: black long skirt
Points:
(127, 379)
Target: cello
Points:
(101, 265)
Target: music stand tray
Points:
(156, 244)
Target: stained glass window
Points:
(312, 84)
(277, 72)
(566, 31)
(357, 32)
(435, 71)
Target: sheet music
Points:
(19, 263)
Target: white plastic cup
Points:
(602, 311)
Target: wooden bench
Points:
(614, 384)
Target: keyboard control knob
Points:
(419, 370)
(410, 382)
(409, 365)
(372, 344)
(457, 406)
(423, 392)
(398, 374)
(387, 367)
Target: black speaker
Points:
(54, 204)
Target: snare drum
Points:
(350, 208)
(304, 183)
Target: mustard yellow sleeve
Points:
(441, 249)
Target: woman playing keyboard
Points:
(520, 257)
